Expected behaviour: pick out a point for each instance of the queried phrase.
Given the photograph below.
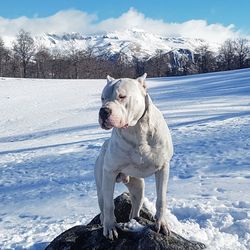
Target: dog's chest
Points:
(140, 164)
(138, 154)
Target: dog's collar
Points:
(146, 106)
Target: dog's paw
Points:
(162, 226)
(109, 231)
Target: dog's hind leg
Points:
(161, 178)
(136, 190)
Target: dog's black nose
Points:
(104, 113)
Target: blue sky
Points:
(214, 11)
(214, 20)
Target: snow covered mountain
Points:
(130, 43)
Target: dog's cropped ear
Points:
(142, 79)
(110, 79)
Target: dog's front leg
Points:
(109, 222)
(161, 178)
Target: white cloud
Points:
(191, 28)
(62, 21)
(78, 21)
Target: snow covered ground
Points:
(49, 139)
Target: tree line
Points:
(25, 59)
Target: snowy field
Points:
(49, 139)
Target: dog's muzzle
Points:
(104, 114)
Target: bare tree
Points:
(2, 52)
(226, 58)
(242, 52)
(5, 59)
(24, 49)
(74, 55)
(204, 59)
(43, 63)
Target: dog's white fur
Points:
(140, 145)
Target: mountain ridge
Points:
(132, 43)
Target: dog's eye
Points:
(122, 97)
(102, 99)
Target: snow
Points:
(131, 225)
(49, 140)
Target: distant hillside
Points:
(135, 44)
(128, 53)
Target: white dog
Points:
(140, 145)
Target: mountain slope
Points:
(132, 43)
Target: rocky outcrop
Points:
(140, 236)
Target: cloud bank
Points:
(68, 21)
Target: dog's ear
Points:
(110, 79)
(142, 79)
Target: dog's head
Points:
(123, 102)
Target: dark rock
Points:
(91, 237)
(122, 210)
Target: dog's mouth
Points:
(107, 124)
